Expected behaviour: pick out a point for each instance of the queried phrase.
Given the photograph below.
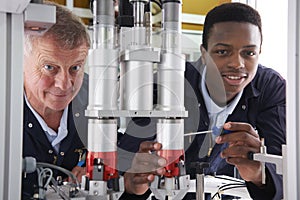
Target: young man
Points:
(233, 92)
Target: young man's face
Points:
(53, 76)
(231, 58)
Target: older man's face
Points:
(53, 76)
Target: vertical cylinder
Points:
(170, 135)
(138, 13)
(103, 137)
(137, 85)
(103, 23)
(170, 80)
(172, 66)
(102, 144)
(103, 79)
(136, 70)
(200, 187)
(103, 59)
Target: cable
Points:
(40, 165)
(227, 187)
(229, 179)
(67, 172)
(230, 185)
(44, 177)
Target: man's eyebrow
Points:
(250, 46)
(227, 45)
(222, 44)
(79, 61)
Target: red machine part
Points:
(109, 164)
(173, 157)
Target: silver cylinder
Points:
(170, 82)
(172, 66)
(148, 26)
(103, 79)
(103, 36)
(102, 135)
(200, 195)
(137, 85)
(170, 133)
(103, 23)
(103, 12)
(171, 25)
(172, 16)
(138, 13)
(171, 41)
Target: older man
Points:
(53, 75)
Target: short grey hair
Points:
(68, 32)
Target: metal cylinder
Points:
(137, 85)
(138, 13)
(171, 41)
(102, 135)
(102, 149)
(103, 79)
(103, 36)
(171, 25)
(170, 133)
(103, 12)
(171, 82)
(103, 59)
(172, 15)
(148, 26)
(172, 66)
(103, 24)
(200, 187)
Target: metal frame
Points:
(291, 187)
(11, 104)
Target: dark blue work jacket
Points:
(263, 105)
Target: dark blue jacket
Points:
(36, 144)
(263, 105)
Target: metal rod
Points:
(197, 133)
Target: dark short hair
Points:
(230, 12)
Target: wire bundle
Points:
(228, 186)
(45, 177)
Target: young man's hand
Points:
(146, 164)
(242, 140)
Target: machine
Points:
(127, 53)
(133, 59)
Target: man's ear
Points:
(260, 49)
(203, 52)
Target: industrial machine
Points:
(133, 59)
(121, 63)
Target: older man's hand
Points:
(78, 172)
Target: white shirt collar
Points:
(62, 129)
